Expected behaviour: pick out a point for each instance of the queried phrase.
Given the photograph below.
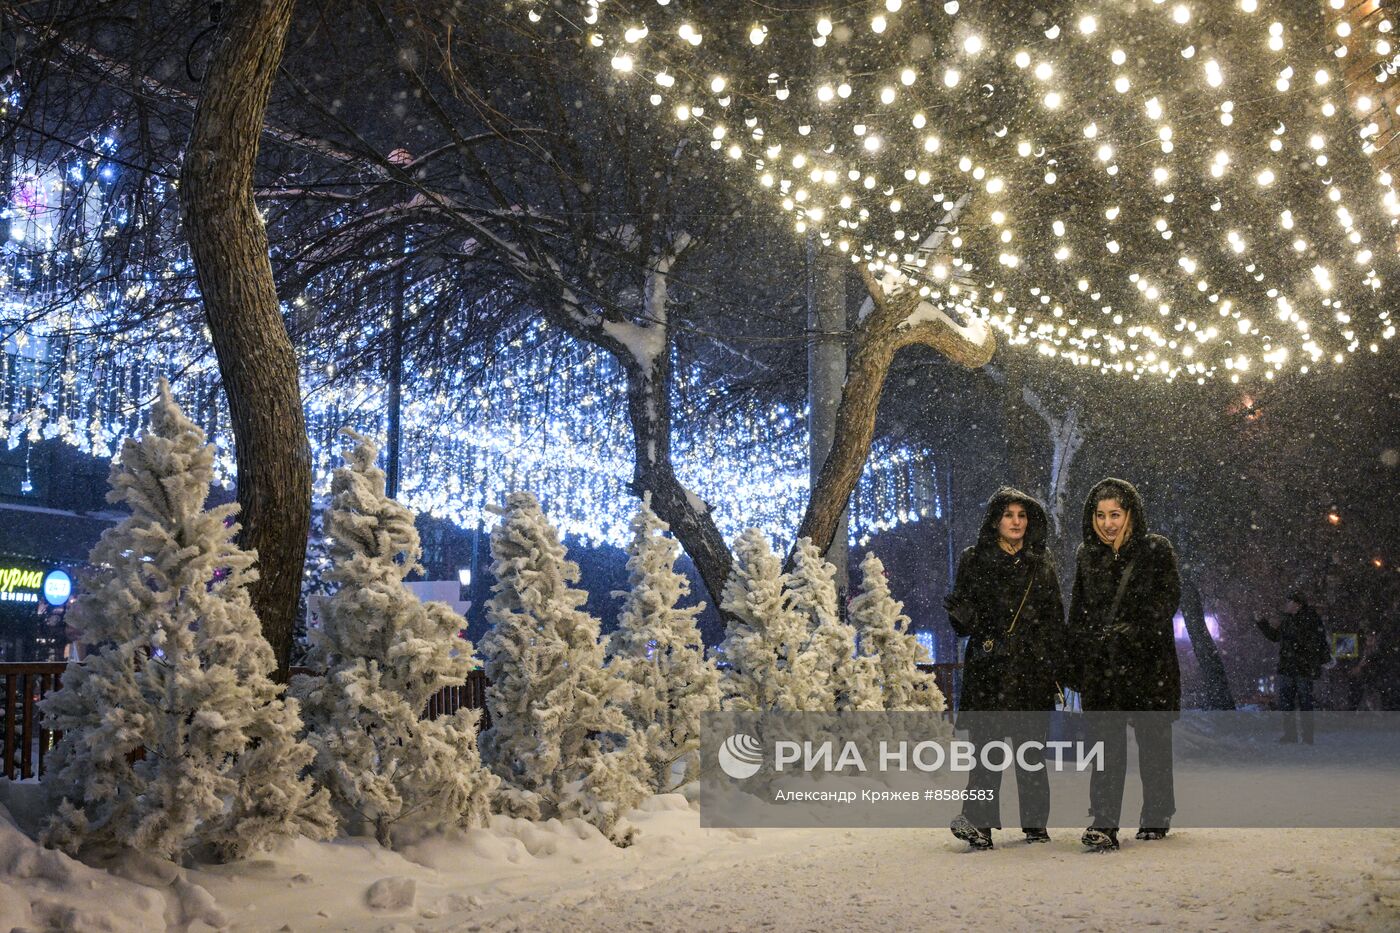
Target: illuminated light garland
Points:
(464, 447)
(460, 458)
(1158, 134)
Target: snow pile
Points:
(563, 874)
(658, 651)
(385, 655)
(558, 738)
(122, 892)
(174, 735)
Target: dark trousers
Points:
(1296, 692)
(1032, 786)
(1154, 740)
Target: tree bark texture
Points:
(257, 363)
(649, 410)
(826, 373)
(877, 338)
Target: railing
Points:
(945, 675)
(26, 742)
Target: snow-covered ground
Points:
(551, 876)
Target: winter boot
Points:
(1036, 835)
(976, 838)
(1146, 833)
(1100, 838)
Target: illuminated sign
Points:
(57, 587)
(18, 585)
(22, 585)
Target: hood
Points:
(1131, 499)
(1037, 528)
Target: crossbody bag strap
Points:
(1122, 588)
(1024, 596)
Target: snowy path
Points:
(916, 879)
(518, 876)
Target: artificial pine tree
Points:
(885, 638)
(174, 735)
(385, 653)
(657, 649)
(768, 670)
(847, 682)
(558, 737)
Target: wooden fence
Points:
(26, 742)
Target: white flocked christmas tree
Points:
(175, 738)
(763, 644)
(385, 653)
(848, 682)
(657, 648)
(559, 737)
(883, 631)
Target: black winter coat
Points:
(1302, 643)
(1004, 668)
(1128, 662)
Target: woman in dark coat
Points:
(1126, 590)
(1006, 602)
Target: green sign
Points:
(18, 585)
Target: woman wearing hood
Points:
(1126, 590)
(1006, 602)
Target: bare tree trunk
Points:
(888, 327)
(649, 409)
(1066, 437)
(1020, 451)
(1217, 684)
(256, 361)
(826, 373)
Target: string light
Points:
(1007, 289)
